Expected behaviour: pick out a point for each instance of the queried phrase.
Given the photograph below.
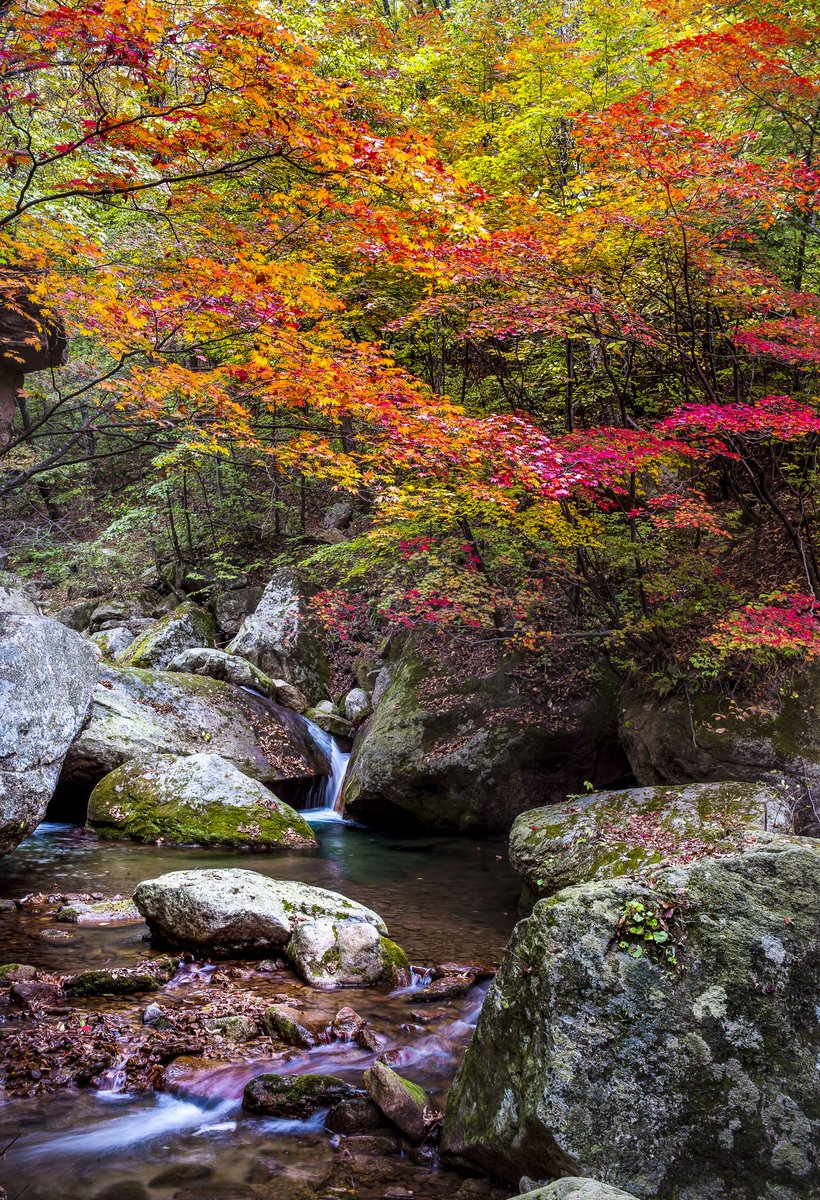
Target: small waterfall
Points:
(325, 792)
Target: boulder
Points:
(327, 716)
(185, 627)
(280, 638)
(676, 1066)
(463, 743)
(121, 981)
(218, 664)
(356, 706)
(331, 953)
(776, 742)
(234, 909)
(282, 1023)
(137, 612)
(77, 615)
(294, 1096)
(47, 677)
(13, 601)
(98, 912)
(401, 1101)
(358, 1114)
(197, 799)
(139, 713)
(113, 642)
(576, 1188)
(230, 608)
(605, 834)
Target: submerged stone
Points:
(197, 799)
(294, 1096)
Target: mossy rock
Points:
(182, 629)
(696, 1079)
(331, 953)
(606, 834)
(294, 1096)
(280, 1022)
(121, 981)
(198, 799)
(402, 1101)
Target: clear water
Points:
(443, 899)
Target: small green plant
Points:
(644, 931)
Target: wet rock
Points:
(233, 909)
(401, 1101)
(327, 716)
(774, 743)
(47, 676)
(16, 973)
(462, 742)
(334, 953)
(156, 1017)
(606, 834)
(294, 1096)
(347, 1025)
(181, 1173)
(476, 970)
(190, 1075)
(113, 642)
(445, 988)
(30, 992)
(123, 1189)
(199, 799)
(426, 1016)
(99, 912)
(357, 1114)
(576, 1188)
(121, 981)
(185, 627)
(369, 1143)
(590, 1027)
(218, 664)
(236, 1028)
(281, 639)
(281, 1023)
(7, 906)
(136, 714)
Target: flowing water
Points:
(443, 899)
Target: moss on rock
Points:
(294, 1096)
(185, 627)
(198, 799)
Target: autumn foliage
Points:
(539, 293)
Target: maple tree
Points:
(539, 292)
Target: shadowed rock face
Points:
(777, 744)
(585, 1049)
(47, 677)
(467, 746)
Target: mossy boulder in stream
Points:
(402, 1101)
(605, 834)
(198, 799)
(183, 628)
(121, 981)
(231, 910)
(294, 1096)
(676, 1067)
(713, 737)
(463, 740)
(330, 953)
(136, 714)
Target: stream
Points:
(443, 899)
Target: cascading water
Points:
(324, 794)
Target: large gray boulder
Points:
(712, 737)
(669, 1067)
(572, 1187)
(14, 601)
(113, 642)
(185, 627)
(604, 834)
(47, 677)
(281, 639)
(218, 664)
(200, 800)
(139, 713)
(329, 953)
(236, 910)
(466, 743)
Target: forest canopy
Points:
(533, 289)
